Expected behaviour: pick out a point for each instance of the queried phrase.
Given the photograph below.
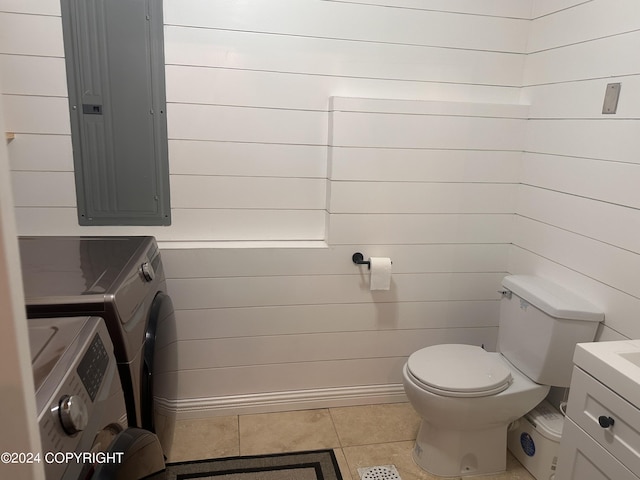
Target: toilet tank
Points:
(540, 324)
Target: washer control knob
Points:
(147, 271)
(74, 415)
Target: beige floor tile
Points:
(397, 453)
(313, 430)
(165, 430)
(343, 464)
(515, 471)
(368, 424)
(198, 439)
(287, 432)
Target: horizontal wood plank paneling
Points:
(419, 228)
(247, 159)
(241, 87)
(209, 122)
(306, 290)
(22, 75)
(41, 7)
(603, 221)
(615, 140)
(200, 191)
(31, 35)
(552, 31)
(499, 8)
(335, 20)
(427, 107)
(252, 143)
(285, 320)
(588, 60)
(607, 181)
(43, 189)
(540, 8)
(611, 265)
(303, 375)
(426, 131)
(424, 165)
(248, 116)
(187, 224)
(190, 384)
(33, 114)
(448, 207)
(294, 348)
(327, 56)
(406, 197)
(241, 84)
(49, 153)
(245, 262)
(582, 99)
(579, 210)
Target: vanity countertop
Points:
(615, 363)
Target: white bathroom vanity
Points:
(601, 435)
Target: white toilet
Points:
(467, 396)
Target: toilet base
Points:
(455, 453)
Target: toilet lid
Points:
(459, 370)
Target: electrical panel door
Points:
(115, 72)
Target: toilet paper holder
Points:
(358, 259)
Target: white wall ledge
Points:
(182, 245)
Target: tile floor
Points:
(362, 436)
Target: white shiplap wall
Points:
(578, 215)
(248, 86)
(263, 326)
(264, 329)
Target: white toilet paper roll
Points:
(380, 273)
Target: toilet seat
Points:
(453, 370)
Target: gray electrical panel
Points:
(115, 72)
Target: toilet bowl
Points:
(467, 397)
(464, 425)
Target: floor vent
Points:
(381, 472)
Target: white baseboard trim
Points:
(279, 401)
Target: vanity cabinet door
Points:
(590, 402)
(581, 458)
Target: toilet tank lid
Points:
(552, 299)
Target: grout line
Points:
(346, 475)
(335, 429)
(239, 442)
